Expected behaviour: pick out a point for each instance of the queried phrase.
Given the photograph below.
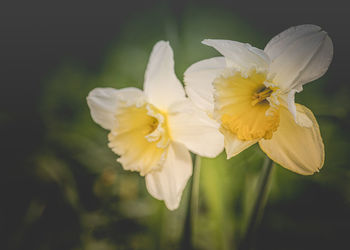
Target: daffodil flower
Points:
(251, 93)
(153, 129)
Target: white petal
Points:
(193, 128)
(278, 44)
(233, 145)
(241, 56)
(299, 55)
(103, 103)
(299, 149)
(199, 79)
(299, 117)
(169, 183)
(289, 100)
(161, 86)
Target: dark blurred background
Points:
(61, 187)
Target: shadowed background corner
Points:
(63, 189)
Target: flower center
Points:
(140, 137)
(243, 105)
(152, 125)
(259, 97)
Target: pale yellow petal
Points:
(168, 183)
(299, 149)
(233, 145)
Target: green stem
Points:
(192, 207)
(195, 189)
(259, 204)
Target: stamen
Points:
(261, 95)
(152, 126)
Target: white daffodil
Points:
(251, 93)
(153, 129)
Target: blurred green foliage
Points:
(86, 201)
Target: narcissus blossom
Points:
(152, 130)
(251, 93)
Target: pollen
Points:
(244, 108)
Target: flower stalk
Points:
(192, 207)
(258, 205)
